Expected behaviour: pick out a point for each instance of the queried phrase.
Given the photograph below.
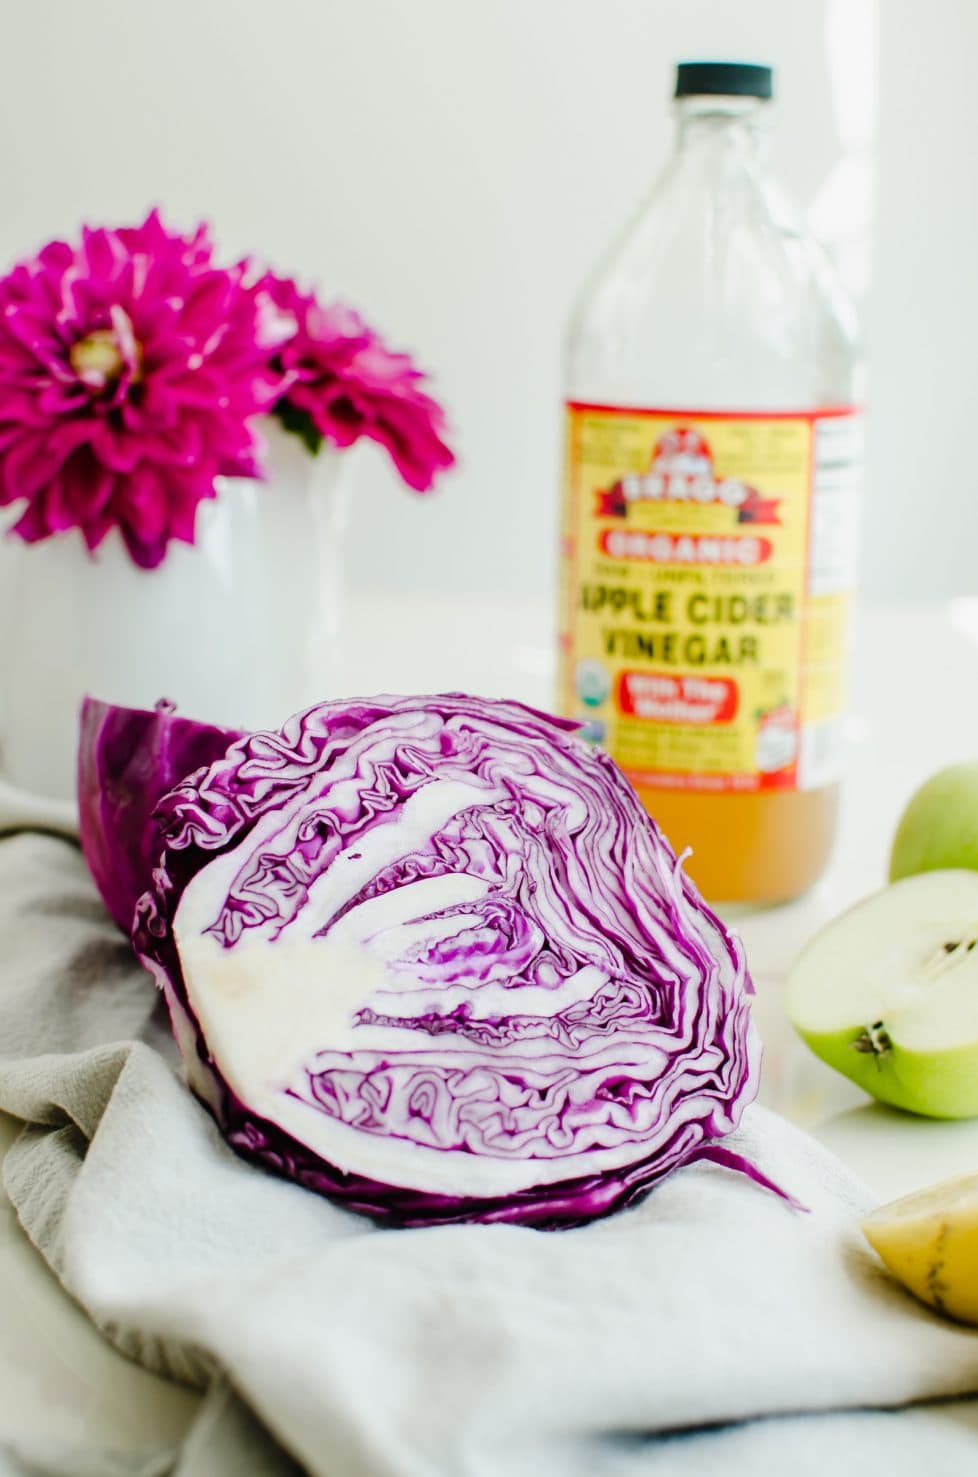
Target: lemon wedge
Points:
(929, 1242)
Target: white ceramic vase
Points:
(240, 629)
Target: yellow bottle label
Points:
(706, 573)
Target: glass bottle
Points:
(710, 505)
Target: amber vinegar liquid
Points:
(759, 848)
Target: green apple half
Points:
(888, 994)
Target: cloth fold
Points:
(710, 1329)
(226, 1440)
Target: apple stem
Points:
(874, 1041)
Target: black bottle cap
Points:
(724, 79)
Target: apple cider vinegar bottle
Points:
(710, 506)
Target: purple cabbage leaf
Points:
(127, 760)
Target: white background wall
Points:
(453, 167)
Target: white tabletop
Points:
(915, 692)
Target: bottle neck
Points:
(729, 126)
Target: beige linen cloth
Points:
(710, 1330)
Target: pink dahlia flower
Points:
(130, 370)
(344, 384)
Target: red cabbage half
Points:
(430, 957)
(127, 759)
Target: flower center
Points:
(102, 357)
(97, 356)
